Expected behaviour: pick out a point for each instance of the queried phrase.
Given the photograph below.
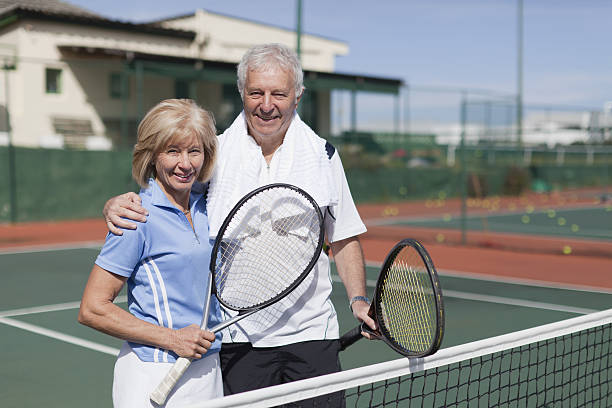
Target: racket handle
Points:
(162, 391)
(350, 337)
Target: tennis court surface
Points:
(50, 360)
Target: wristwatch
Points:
(357, 298)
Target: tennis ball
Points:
(390, 211)
(525, 219)
(530, 209)
(575, 228)
(440, 238)
(447, 217)
(561, 221)
(442, 195)
(551, 213)
(567, 250)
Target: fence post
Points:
(11, 148)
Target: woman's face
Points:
(177, 166)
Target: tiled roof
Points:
(64, 11)
(47, 7)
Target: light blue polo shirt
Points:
(167, 267)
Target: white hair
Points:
(262, 57)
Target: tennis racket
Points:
(407, 304)
(266, 246)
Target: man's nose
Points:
(266, 104)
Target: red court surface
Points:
(573, 269)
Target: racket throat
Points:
(233, 320)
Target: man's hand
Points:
(351, 268)
(360, 311)
(120, 207)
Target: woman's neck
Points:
(179, 198)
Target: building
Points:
(73, 78)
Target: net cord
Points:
(311, 387)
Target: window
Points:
(181, 88)
(231, 106)
(53, 80)
(116, 84)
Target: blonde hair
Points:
(169, 120)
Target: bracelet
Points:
(357, 298)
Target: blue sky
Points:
(457, 43)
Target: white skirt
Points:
(134, 380)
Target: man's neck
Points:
(268, 145)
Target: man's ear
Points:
(297, 100)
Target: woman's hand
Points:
(191, 341)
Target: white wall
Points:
(224, 38)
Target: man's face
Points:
(269, 102)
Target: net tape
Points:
(565, 363)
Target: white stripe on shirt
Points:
(162, 287)
(160, 320)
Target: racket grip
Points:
(162, 391)
(350, 337)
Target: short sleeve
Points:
(342, 220)
(121, 254)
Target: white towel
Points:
(303, 162)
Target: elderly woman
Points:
(165, 263)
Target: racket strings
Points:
(282, 237)
(408, 308)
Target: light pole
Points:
(519, 79)
(298, 30)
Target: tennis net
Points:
(562, 364)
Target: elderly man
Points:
(268, 143)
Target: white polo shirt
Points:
(307, 313)
(167, 267)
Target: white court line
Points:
(50, 308)
(385, 221)
(52, 247)
(514, 281)
(499, 299)
(60, 336)
(4, 318)
(522, 281)
(516, 302)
